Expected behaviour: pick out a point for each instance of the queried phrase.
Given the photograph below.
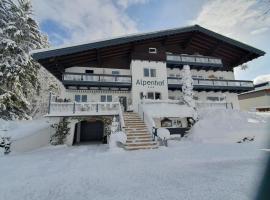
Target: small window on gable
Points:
(152, 50)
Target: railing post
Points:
(74, 107)
(97, 107)
(49, 107)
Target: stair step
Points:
(141, 147)
(135, 129)
(137, 132)
(137, 140)
(139, 137)
(141, 143)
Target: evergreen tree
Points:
(187, 89)
(19, 35)
(61, 132)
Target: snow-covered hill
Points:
(220, 125)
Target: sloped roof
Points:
(54, 52)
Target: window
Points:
(149, 72)
(146, 72)
(88, 71)
(109, 98)
(106, 98)
(115, 72)
(84, 98)
(150, 95)
(152, 50)
(222, 98)
(153, 72)
(141, 95)
(77, 98)
(157, 95)
(103, 98)
(212, 98)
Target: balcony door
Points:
(123, 102)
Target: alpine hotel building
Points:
(149, 66)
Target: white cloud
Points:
(239, 19)
(86, 20)
(262, 79)
(260, 31)
(127, 3)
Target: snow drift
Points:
(26, 135)
(117, 139)
(220, 125)
(166, 109)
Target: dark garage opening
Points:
(89, 131)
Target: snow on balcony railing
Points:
(87, 108)
(214, 105)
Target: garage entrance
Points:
(89, 131)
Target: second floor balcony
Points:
(96, 80)
(213, 84)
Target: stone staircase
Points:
(138, 136)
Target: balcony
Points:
(195, 61)
(96, 80)
(83, 109)
(213, 85)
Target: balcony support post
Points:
(74, 106)
(49, 107)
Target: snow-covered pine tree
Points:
(13, 60)
(187, 89)
(19, 34)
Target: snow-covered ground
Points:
(184, 170)
(209, 164)
(230, 126)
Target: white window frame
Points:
(106, 97)
(152, 50)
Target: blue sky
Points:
(77, 21)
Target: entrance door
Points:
(91, 131)
(123, 102)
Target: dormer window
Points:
(152, 50)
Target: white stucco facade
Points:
(153, 86)
(142, 85)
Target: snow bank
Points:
(220, 125)
(163, 133)
(26, 134)
(262, 79)
(163, 109)
(116, 139)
